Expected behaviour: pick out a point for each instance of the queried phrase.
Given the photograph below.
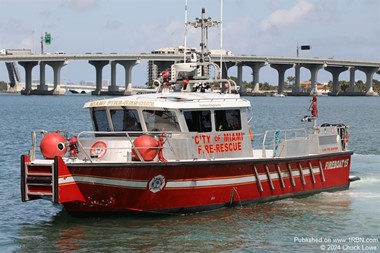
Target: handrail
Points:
(275, 138)
(198, 79)
(166, 135)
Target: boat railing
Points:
(130, 137)
(271, 140)
(221, 99)
(38, 135)
(229, 84)
(172, 148)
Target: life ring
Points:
(98, 150)
(157, 183)
(250, 135)
(346, 138)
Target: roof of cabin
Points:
(174, 100)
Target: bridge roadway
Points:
(81, 89)
(128, 61)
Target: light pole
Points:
(45, 39)
(42, 44)
(303, 47)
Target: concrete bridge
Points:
(128, 61)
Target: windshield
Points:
(161, 120)
(100, 120)
(227, 120)
(198, 121)
(125, 120)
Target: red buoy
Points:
(53, 144)
(146, 146)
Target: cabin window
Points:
(100, 120)
(227, 120)
(161, 120)
(125, 120)
(198, 121)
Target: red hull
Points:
(197, 186)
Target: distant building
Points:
(87, 83)
(306, 85)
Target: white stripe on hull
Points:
(182, 184)
(103, 181)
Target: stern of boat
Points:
(49, 180)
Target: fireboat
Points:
(186, 148)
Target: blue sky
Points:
(343, 29)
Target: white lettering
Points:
(337, 164)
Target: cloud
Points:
(153, 36)
(239, 35)
(82, 5)
(286, 17)
(113, 25)
(14, 27)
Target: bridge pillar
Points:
(99, 77)
(297, 82)
(56, 66)
(281, 68)
(28, 66)
(113, 87)
(239, 74)
(335, 71)
(128, 65)
(314, 68)
(352, 87)
(369, 71)
(225, 67)
(256, 66)
(42, 86)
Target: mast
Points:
(185, 42)
(204, 23)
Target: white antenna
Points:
(221, 38)
(185, 42)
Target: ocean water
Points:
(345, 221)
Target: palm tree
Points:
(291, 80)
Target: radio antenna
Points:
(185, 42)
(221, 39)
